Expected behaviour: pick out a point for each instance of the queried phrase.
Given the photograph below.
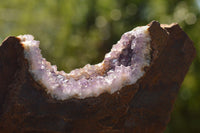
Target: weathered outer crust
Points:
(144, 107)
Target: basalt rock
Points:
(141, 107)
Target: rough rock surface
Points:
(25, 106)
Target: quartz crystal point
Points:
(132, 90)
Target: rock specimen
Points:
(132, 90)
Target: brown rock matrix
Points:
(143, 107)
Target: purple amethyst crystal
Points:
(122, 66)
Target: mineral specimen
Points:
(132, 90)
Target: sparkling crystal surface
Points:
(122, 66)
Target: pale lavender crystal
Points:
(122, 66)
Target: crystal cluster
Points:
(122, 66)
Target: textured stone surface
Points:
(143, 107)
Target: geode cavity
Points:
(122, 66)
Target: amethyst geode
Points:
(124, 65)
(132, 90)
